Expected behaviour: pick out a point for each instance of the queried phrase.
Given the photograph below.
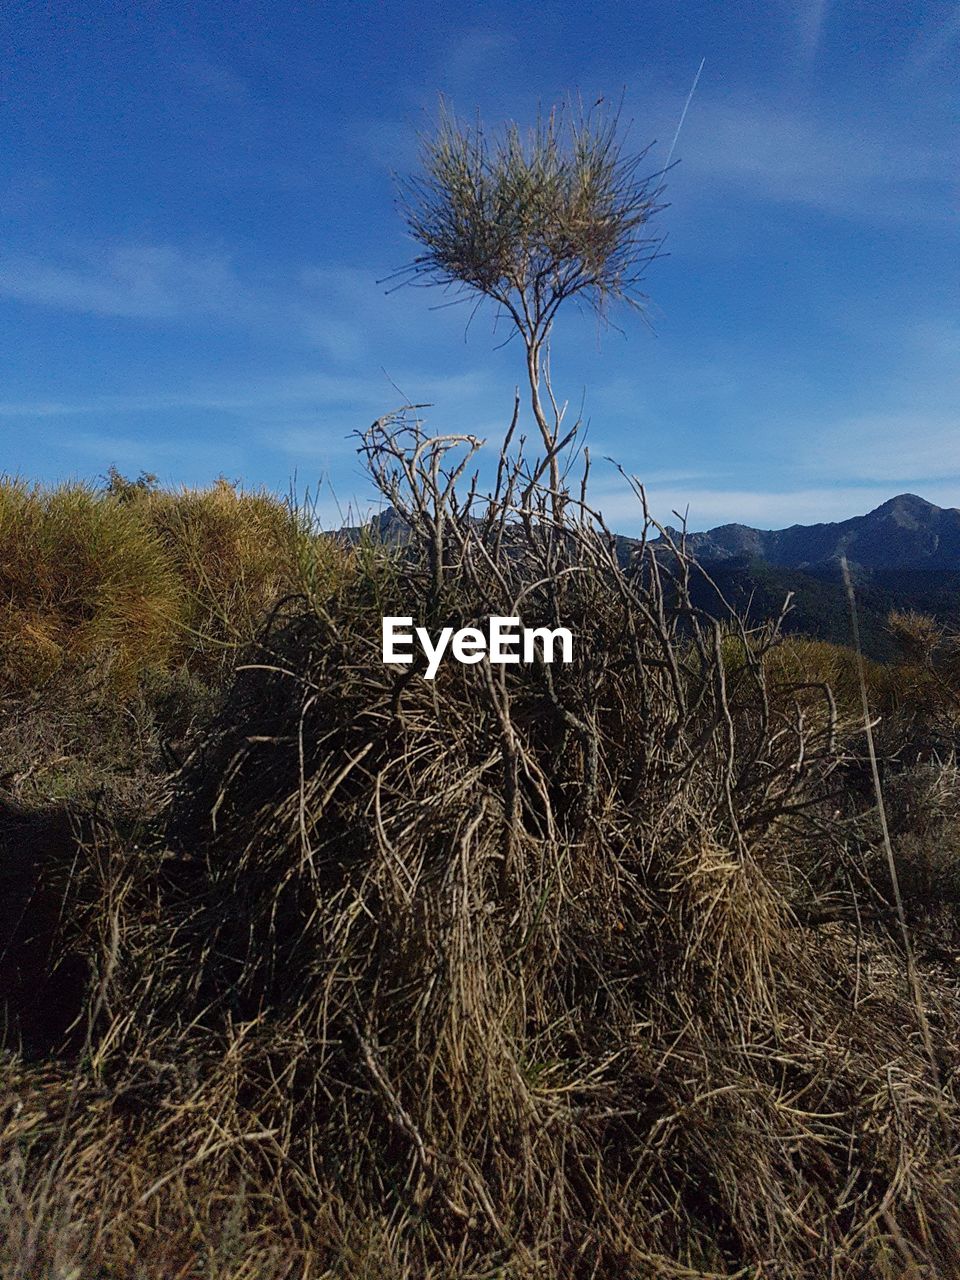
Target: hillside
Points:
(904, 555)
(818, 601)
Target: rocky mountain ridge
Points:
(906, 532)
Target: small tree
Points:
(529, 221)
(124, 489)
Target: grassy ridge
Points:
(82, 576)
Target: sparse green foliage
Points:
(529, 220)
(120, 486)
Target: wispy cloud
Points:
(929, 48)
(903, 448)
(476, 53)
(169, 283)
(212, 77)
(811, 16)
(905, 430)
(317, 390)
(835, 164)
(154, 451)
(146, 281)
(392, 145)
(339, 311)
(314, 441)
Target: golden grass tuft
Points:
(81, 577)
(137, 578)
(236, 555)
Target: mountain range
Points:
(905, 554)
(904, 533)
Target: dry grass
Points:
(236, 555)
(81, 577)
(122, 613)
(136, 578)
(523, 972)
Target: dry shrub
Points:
(930, 669)
(923, 801)
(916, 714)
(917, 635)
(513, 973)
(122, 612)
(798, 659)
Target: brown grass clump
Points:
(236, 554)
(135, 579)
(522, 972)
(800, 659)
(122, 613)
(81, 578)
(917, 634)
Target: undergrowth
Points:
(548, 971)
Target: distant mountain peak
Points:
(910, 499)
(905, 532)
(906, 501)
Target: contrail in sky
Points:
(683, 113)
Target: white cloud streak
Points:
(841, 165)
(322, 391)
(155, 452)
(144, 281)
(811, 17)
(899, 448)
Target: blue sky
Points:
(196, 203)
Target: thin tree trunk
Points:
(548, 433)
